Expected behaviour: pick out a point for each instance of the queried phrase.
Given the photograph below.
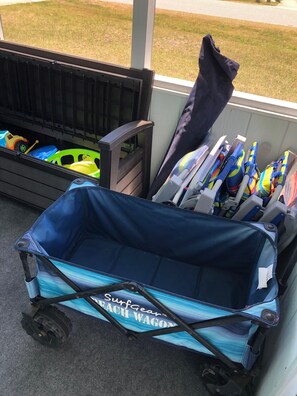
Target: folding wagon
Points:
(196, 281)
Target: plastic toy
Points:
(78, 159)
(44, 152)
(13, 142)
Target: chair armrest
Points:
(123, 133)
(110, 150)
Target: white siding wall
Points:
(275, 134)
(272, 123)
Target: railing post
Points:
(142, 33)
(1, 30)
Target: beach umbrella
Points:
(210, 94)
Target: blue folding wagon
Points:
(196, 281)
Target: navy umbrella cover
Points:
(211, 92)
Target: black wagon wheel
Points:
(21, 147)
(49, 326)
(219, 382)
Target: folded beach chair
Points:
(282, 207)
(195, 185)
(199, 282)
(181, 174)
(209, 197)
(264, 204)
(227, 183)
(272, 179)
(247, 189)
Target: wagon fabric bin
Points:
(188, 279)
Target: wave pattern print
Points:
(135, 313)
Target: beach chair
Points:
(206, 196)
(181, 174)
(247, 185)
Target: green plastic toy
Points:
(78, 159)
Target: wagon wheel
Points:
(213, 375)
(219, 382)
(21, 147)
(49, 326)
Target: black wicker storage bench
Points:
(59, 100)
